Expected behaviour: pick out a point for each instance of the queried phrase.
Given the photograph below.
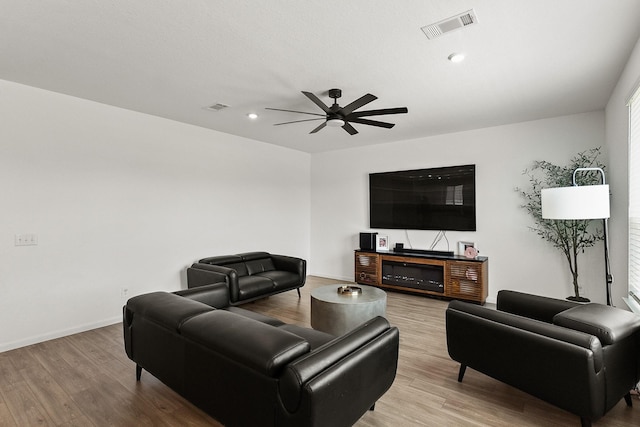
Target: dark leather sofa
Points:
(250, 275)
(581, 358)
(246, 369)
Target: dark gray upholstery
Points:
(581, 358)
(247, 369)
(250, 275)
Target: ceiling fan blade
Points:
(382, 112)
(317, 101)
(293, 111)
(349, 128)
(372, 123)
(363, 100)
(319, 127)
(298, 121)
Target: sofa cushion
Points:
(265, 348)
(222, 259)
(234, 262)
(256, 316)
(257, 266)
(250, 256)
(253, 286)
(239, 267)
(531, 306)
(314, 338)
(281, 279)
(166, 309)
(609, 324)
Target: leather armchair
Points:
(581, 358)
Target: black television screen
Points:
(424, 199)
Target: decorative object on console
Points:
(462, 248)
(582, 203)
(569, 236)
(382, 243)
(368, 241)
(470, 252)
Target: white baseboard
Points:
(58, 334)
(329, 276)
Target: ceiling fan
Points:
(337, 116)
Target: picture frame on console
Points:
(382, 243)
(463, 249)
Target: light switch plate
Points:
(26, 239)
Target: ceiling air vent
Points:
(216, 107)
(453, 23)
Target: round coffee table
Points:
(337, 314)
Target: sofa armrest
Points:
(261, 347)
(215, 295)
(292, 264)
(205, 274)
(532, 306)
(357, 368)
(609, 324)
(556, 364)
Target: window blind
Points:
(634, 201)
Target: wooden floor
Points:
(87, 380)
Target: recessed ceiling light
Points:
(252, 116)
(456, 57)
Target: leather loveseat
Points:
(246, 369)
(250, 275)
(581, 358)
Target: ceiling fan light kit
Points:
(337, 116)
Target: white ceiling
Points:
(525, 60)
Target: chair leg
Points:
(373, 407)
(298, 289)
(463, 368)
(627, 398)
(138, 372)
(585, 422)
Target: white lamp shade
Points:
(577, 202)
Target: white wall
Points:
(119, 200)
(617, 133)
(126, 200)
(518, 258)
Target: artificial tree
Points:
(569, 236)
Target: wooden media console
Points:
(453, 277)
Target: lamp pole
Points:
(605, 225)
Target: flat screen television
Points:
(424, 199)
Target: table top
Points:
(329, 293)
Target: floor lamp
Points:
(581, 202)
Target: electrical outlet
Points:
(124, 292)
(26, 239)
